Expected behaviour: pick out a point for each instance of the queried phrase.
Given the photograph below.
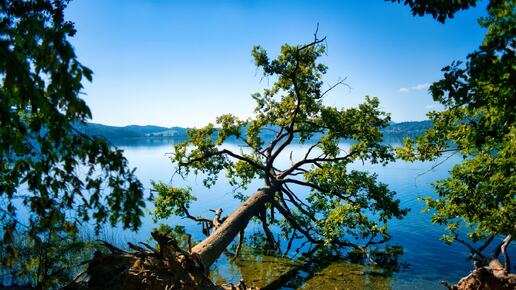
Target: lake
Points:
(428, 259)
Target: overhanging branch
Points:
(222, 153)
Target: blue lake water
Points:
(429, 259)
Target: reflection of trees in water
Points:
(55, 261)
(309, 268)
(317, 268)
(314, 268)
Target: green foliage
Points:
(171, 200)
(439, 9)
(54, 260)
(344, 208)
(479, 121)
(47, 168)
(365, 198)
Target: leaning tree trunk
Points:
(209, 250)
(171, 267)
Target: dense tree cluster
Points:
(478, 122)
(57, 177)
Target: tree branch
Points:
(294, 223)
(252, 147)
(304, 183)
(486, 243)
(241, 239)
(314, 161)
(340, 82)
(503, 249)
(469, 246)
(221, 153)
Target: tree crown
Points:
(46, 166)
(479, 122)
(343, 207)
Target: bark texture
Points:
(209, 250)
(170, 268)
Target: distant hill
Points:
(115, 132)
(407, 129)
(171, 132)
(394, 130)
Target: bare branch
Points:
(280, 135)
(340, 82)
(439, 163)
(298, 206)
(469, 246)
(304, 183)
(310, 149)
(289, 245)
(503, 249)
(268, 234)
(318, 188)
(197, 219)
(293, 195)
(486, 243)
(315, 42)
(270, 129)
(252, 147)
(241, 239)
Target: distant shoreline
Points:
(149, 132)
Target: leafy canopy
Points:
(479, 122)
(56, 174)
(439, 9)
(343, 207)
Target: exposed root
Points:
(168, 268)
(490, 277)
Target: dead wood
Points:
(489, 273)
(166, 268)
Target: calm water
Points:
(429, 260)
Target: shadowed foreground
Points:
(171, 267)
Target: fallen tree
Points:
(168, 267)
(341, 209)
(292, 110)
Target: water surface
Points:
(429, 260)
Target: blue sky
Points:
(182, 63)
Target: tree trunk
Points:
(171, 267)
(209, 250)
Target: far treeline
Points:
(114, 133)
(54, 178)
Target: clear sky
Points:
(182, 63)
